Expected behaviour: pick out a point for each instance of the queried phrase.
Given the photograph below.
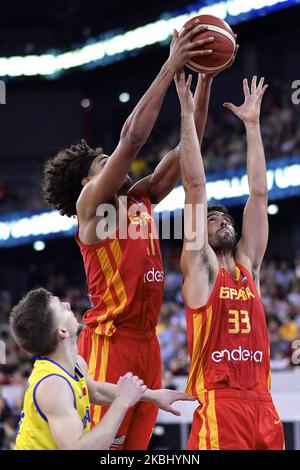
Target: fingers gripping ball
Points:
(223, 46)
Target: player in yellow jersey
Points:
(56, 413)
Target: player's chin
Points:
(223, 242)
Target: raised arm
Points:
(137, 127)
(198, 261)
(202, 96)
(168, 173)
(252, 245)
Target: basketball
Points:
(223, 45)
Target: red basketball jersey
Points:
(125, 275)
(228, 338)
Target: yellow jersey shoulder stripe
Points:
(36, 386)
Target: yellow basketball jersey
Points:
(33, 432)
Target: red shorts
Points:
(236, 420)
(110, 357)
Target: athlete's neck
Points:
(227, 261)
(66, 355)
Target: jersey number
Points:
(239, 321)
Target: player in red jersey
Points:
(227, 333)
(124, 273)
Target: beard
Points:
(223, 242)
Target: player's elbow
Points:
(132, 142)
(72, 445)
(259, 188)
(85, 443)
(137, 133)
(260, 192)
(132, 134)
(194, 183)
(135, 138)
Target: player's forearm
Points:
(104, 394)
(102, 435)
(169, 167)
(139, 124)
(192, 168)
(149, 395)
(166, 175)
(202, 97)
(256, 161)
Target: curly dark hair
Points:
(63, 174)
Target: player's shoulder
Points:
(53, 393)
(243, 261)
(53, 383)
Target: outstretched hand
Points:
(249, 111)
(184, 93)
(183, 48)
(164, 398)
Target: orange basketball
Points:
(223, 46)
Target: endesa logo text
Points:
(154, 276)
(239, 354)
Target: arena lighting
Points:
(39, 245)
(20, 229)
(85, 103)
(283, 181)
(114, 46)
(124, 97)
(273, 209)
(230, 188)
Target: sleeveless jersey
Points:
(33, 432)
(228, 338)
(125, 274)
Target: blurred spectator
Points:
(9, 437)
(284, 276)
(279, 361)
(288, 329)
(5, 414)
(167, 380)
